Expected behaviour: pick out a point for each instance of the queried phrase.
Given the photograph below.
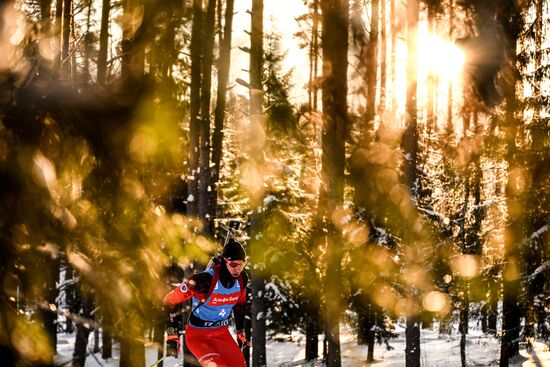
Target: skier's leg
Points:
(232, 355)
(215, 348)
(203, 345)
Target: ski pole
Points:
(157, 362)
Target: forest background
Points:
(412, 181)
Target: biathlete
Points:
(215, 293)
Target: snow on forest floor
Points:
(288, 350)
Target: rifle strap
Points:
(213, 283)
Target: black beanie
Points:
(234, 250)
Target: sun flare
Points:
(440, 57)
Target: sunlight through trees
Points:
(386, 163)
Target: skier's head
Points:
(234, 256)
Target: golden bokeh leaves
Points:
(466, 266)
(143, 144)
(252, 180)
(385, 296)
(468, 149)
(31, 341)
(519, 180)
(13, 32)
(79, 261)
(130, 21)
(511, 270)
(414, 275)
(43, 171)
(407, 307)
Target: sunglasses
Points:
(235, 264)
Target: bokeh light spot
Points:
(435, 301)
(466, 266)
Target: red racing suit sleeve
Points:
(196, 287)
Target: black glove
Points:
(173, 326)
(168, 309)
(241, 339)
(172, 348)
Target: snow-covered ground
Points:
(286, 351)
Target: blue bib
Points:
(218, 306)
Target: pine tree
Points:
(224, 62)
(279, 110)
(335, 129)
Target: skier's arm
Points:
(239, 309)
(196, 287)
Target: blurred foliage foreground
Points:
(83, 177)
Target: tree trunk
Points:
(248, 324)
(314, 301)
(474, 239)
(383, 56)
(449, 126)
(371, 321)
(463, 324)
(57, 37)
(73, 63)
(464, 302)
(133, 49)
(492, 302)
(194, 111)
(83, 330)
(103, 42)
(410, 152)
(310, 81)
(204, 127)
(127, 32)
(88, 47)
(256, 161)
(312, 331)
(315, 41)
(410, 135)
(372, 66)
(70, 296)
(48, 315)
(65, 63)
(158, 333)
(106, 325)
(509, 19)
(11, 198)
(259, 357)
(412, 348)
(335, 23)
(132, 352)
(224, 64)
(511, 277)
(46, 25)
(430, 113)
(393, 30)
(45, 15)
(166, 53)
(536, 213)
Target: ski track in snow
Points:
(288, 350)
